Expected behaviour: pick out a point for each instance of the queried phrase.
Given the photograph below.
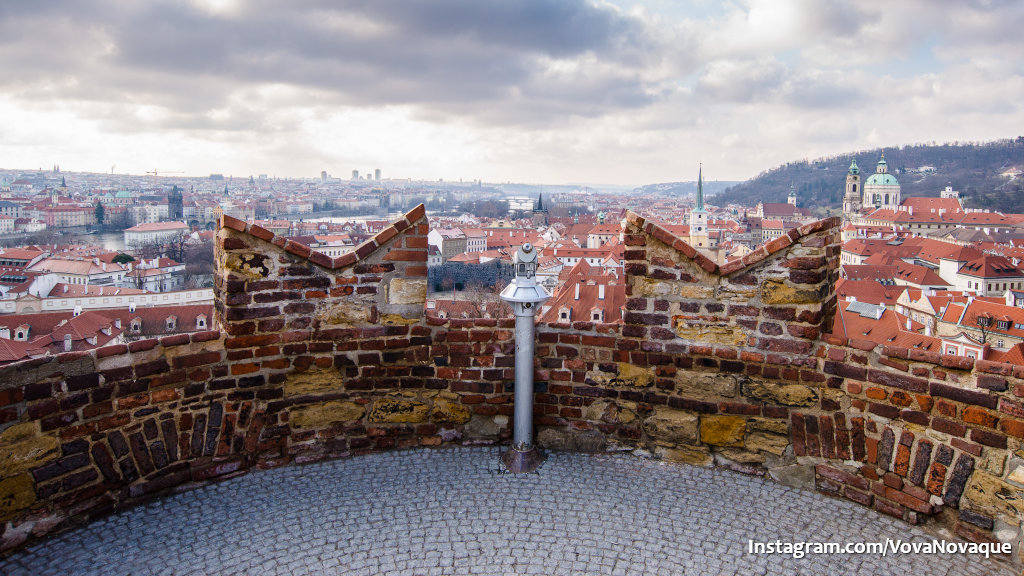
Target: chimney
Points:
(908, 324)
(927, 330)
(67, 342)
(600, 292)
(117, 323)
(577, 291)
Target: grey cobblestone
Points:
(451, 511)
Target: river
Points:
(109, 240)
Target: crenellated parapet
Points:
(319, 357)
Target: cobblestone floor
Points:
(450, 511)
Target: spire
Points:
(700, 188)
(540, 201)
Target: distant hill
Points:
(686, 188)
(974, 169)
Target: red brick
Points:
(979, 416)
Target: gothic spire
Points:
(700, 187)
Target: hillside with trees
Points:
(976, 170)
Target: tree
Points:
(122, 258)
(199, 266)
(100, 213)
(175, 247)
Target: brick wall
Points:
(322, 357)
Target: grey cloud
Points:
(468, 57)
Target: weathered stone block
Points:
(481, 427)
(693, 455)
(345, 313)
(249, 265)
(776, 393)
(764, 442)
(628, 375)
(733, 456)
(710, 332)
(668, 426)
(651, 288)
(448, 411)
(317, 381)
(398, 410)
(611, 412)
(991, 495)
(719, 430)
(321, 415)
(776, 292)
(703, 385)
(16, 494)
(23, 447)
(589, 441)
(794, 475)
(768, 425)
(405, 291)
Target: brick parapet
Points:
(319, 360)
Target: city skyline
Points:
(630, 92)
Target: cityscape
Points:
(617, 287)
(87, 255)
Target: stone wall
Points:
(322, 357)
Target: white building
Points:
(153, 232)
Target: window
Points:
(999, 343)
(971, 354)
(136, 325)
(597, 315)
(950, 350)
(563, 314)
(1003, 324)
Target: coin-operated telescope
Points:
(525, 295)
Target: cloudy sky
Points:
(542, 91)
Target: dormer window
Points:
(201, 321)
(597, 315)
(171, 323)
(1003, 324)
(136, 325)
(563, 314)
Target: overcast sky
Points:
(542, 91)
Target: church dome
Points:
(884, 179)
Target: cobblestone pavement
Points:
(451, 511)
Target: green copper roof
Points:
(853, 167)
(881, 180)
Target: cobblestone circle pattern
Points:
(452, 511)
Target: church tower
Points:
(881, 189)
(792, 196)
(851, 199)
(699, 216)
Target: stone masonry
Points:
(320, 357)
